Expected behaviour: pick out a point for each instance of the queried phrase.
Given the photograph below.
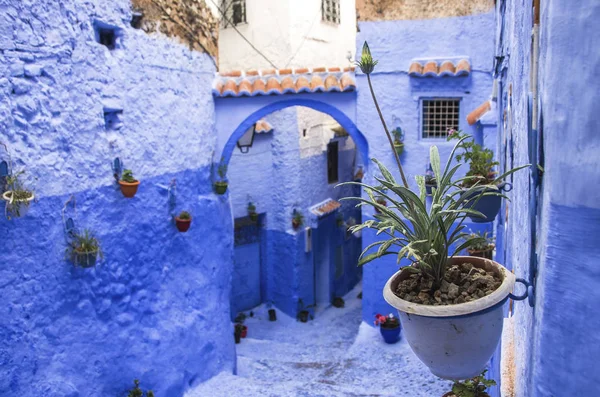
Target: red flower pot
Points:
(182, 224)
(244, 332)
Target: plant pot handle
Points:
(521, 297)
(507, 186)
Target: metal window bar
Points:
(438, 116)
(330, 10)
(234, 11)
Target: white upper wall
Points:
(290, 33)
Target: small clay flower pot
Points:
(303, 316)
(129, 189)
(220, 187)
(338, 302)
(295, 224)
(272, 315)
(183, 224)
(244, 332)
(253, 216)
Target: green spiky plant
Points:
(83, 244)
(474, 387)
(297, 219)
(18, 195)
(485, 241)
(128, 176)
(184, 215)
(221, 185)
(411, 229)
(137, 392)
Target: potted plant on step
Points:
(389, 327)
(221, 185)
(18, 197)
(481, 163)
(450, 307)
(398, 140)
(183, 221)
(485, 246)
(129, 185)
(475, 387)
(137, 392)
(252, 212)
(297, 219)
(303, 312)
(237, 332)
(84, 249)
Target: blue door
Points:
(245, 283)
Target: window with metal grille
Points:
(330, 11)
(439, 115)
(234, 12)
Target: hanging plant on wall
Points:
(18, 198)
(450, 307)
(84, 249)
(297, 219)
(481, 172)
(485, 246)
(183, 221)
(221, 185)
(129, 185)
(398, 140)
(252, 212)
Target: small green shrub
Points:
(128, 176)
(19, 195)
(482, 241)
(474, 387)
(137, 392)
(184, 215)
(298, 218)
(480, 160)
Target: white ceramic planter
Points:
(455, 341)
(23, 209)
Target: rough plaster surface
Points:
(154, 308)
(399, 97)
(379, 10)
(335, 355)
(556, 343)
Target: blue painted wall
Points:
(394, 44)
(556, 344)
(157, 307)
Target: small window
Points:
(439, 115)
(113, 119)
(332, 162)
(234, 12)
(106, 34)
(330, 11)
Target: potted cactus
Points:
(474, 387)
(481, 163)
(450, 306)
(129, 185)
(389, 327)
(484, 247)
(297, 219)
(183, 221)
(398, 140)
(252, 212)
(18, 197)
(84, 249)
(221, 185)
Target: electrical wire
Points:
(240, 33)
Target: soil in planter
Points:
(462, 283)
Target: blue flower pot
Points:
(390, 335)
(489, 206)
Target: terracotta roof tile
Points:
(349, 69)
(325, 207)
(285, 81)
(332, 84)
(476, 114)
(245, 87)
(316, 84)
(439, 68)
(273, 86)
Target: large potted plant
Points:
(450, 306)
(84, 249)
(485, 247)
(389, 327)
(481, 172)
(129, 185)
(18, 197)
(475, 387)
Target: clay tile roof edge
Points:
(478, 113)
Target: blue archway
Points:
(340, 116)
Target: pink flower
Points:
(451, 131)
